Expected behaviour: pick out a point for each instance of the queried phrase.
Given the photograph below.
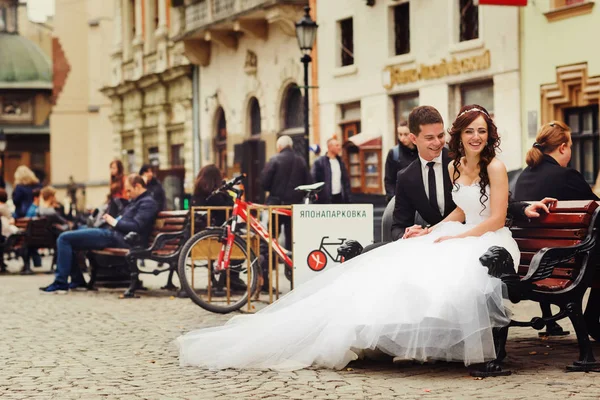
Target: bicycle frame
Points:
(240, 209)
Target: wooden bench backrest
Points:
(169, 221)
(567, 224)
(39, 234)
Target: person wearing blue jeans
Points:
(137, 217)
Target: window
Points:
(177, 155)
(153, 157)
(131, 167)
(403, 105)
(585, 152)
(478, 93)
(469, 20)
(402, 29)
(293, 109)
(255, 123)
(346, 42)
(220, 146)
(350, 122)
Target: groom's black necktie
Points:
(432, 187)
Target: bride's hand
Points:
(443, 239)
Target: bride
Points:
(427, 297)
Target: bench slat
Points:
(567, 273)
(526, 244)
(574, 206)
(549, 233)
(552, 284)
(559, 220)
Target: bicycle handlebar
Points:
(228, 185)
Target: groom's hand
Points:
(413, 231)
(533, 210)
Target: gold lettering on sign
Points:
(394, 75)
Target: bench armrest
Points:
(159, 242)
(543, 263)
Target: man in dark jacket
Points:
(331, 169)
(283, 173)
(398, 158)
(154, 186)
(138, 216)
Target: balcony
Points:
(201, 15)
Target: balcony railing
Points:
(206, 12)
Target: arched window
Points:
(293, 110)
(255, 123)
(221, 142)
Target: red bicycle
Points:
(218, 268)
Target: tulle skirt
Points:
(413, 299)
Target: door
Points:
(253, 162)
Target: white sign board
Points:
(318, 231)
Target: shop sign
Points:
(394, 75)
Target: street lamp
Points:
(306, 32)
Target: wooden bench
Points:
(36, 233)
(170, 232)
(559, 258)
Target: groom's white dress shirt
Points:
(439, 179)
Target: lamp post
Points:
(306, 32)
(2, 148)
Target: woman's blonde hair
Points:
(25, 176)
(548, 139)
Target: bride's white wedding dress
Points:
(411, 298)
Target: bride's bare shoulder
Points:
(496, 168)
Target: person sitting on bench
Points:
(138, 216)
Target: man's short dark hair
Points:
(36, 193)
(423, 115)
(134, 179)
(3, 196)
(402, 123)
(145, 168)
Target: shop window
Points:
(585, 152)
(469, 20)
(478, 93)
(403, 105)
(402, 28)
(130, 162)
(346, 41)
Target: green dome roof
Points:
(23, 65)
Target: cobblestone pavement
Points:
(91, 345)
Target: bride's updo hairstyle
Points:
(548, 139)
(466, 116)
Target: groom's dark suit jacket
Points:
(411, 198)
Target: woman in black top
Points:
(208, 180)
(547, 175)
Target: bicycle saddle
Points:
(315, 187)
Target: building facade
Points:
(81, 139)
(250, 76)
(25, 92)
(151, 93)
(561, 78)
(378, 60)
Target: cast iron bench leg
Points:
(169, 285)
(586, 362)
(135, 282)
(494, 367)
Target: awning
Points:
(364, 140)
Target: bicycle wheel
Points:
(209, 288)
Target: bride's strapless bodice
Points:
(467, 198)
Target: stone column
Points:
(163, 140)
(138, 21)
(118, 27)
(162, 18)
(188, 145)
(138, 140)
